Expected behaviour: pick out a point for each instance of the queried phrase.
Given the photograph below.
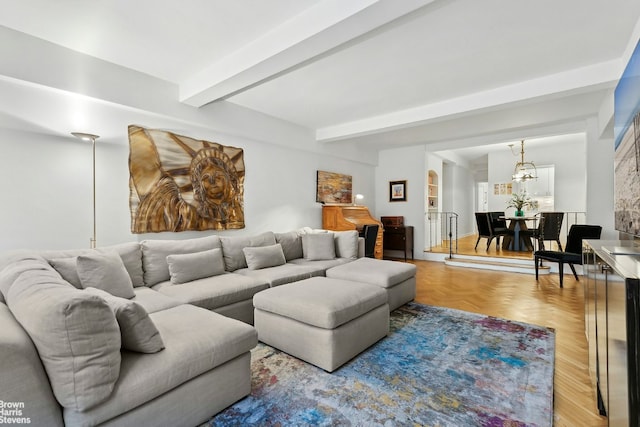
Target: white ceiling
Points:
(376, 72)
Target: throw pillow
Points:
(232, 248)
(155, 252)
(68, 269)
(318, 246)
(137, 331)
(107, 272)
(264, 256)
(184, 268)
(346, 244)
(131, 254)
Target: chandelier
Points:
(524, 171)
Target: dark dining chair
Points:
(498, 224)
(489, 229)
(573, 252)
(549, 228)
(370, 234)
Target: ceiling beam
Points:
(570, 82)
(324, 27)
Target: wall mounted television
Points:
(627, 148)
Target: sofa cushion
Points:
(130, 253)
(318, 246)
(12, 271)
(323, 264)
(264, 256)
(22, 375)
(155, 252)
(105, 271)
(137, 331)
(184, 268)
(213, 292)
(75, 332)
(153, 301)
(283, 274)
(322, 302)
(13, 255)
(383, 273)
(291, 243)
(68, 269)
(196, 342)
(232, 248)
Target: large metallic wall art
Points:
(179, 183)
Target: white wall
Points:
(432, 232)
(569, 159)
(448, 187)
(459, 195)
(47, 190)
(47, 172)
(398, 165)
(457, 187)
(601, 177)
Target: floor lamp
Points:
(91, 138)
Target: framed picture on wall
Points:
(626, 162)
(398, 191)
(333, 188)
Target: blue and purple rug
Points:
(437, 367)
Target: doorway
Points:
(482, 196)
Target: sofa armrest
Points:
(25, 385)
(360, 247)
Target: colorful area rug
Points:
(437, 367)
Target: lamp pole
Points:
(92, 138)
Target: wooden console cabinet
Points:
(341, 218)
(397, 236)
(612, 322)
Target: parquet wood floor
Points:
(519, 297)
(466, 246)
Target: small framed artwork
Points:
(397, 191)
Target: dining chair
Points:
(370, 234)
(489, 229)
(498, 224)
(484, 231)
(573, 252)
(549, 228)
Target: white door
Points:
(482, 197)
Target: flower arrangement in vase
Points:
(519, 201)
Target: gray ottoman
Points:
(325, 322)
(397, 278)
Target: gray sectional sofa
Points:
(151, 333)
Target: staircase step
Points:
(496, 264)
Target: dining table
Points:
(519, 241)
